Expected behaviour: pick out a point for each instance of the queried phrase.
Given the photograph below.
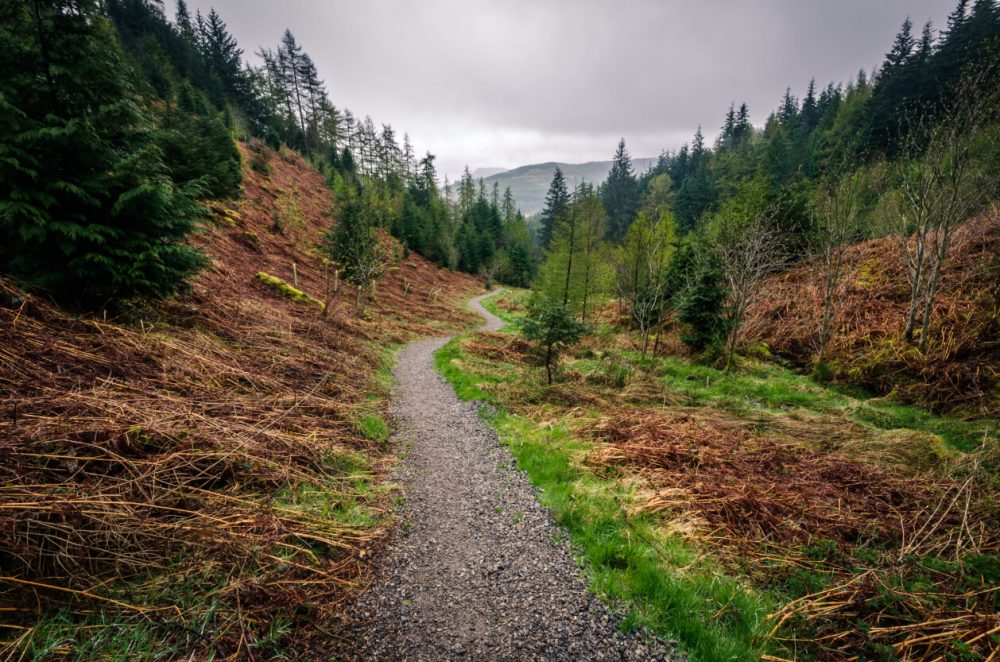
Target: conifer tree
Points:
(508, 210)
(556, 201)
(88, 211)
(223, 55)
(354, 245)
(620, 193)
(182, 19)
(697, 291)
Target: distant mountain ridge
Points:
(487, 172)
(530, 183)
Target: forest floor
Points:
(480, 569)
(752, 515)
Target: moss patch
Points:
(286, 290)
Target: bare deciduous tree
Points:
(836, 215)
(641, 270)
(751, 248)
(940, 184)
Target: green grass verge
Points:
(772, 388)
(490, 304)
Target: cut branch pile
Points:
(502, 347)
(756, 489)
(934, 581)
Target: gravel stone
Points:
(480, 571)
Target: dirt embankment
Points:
(199, 470)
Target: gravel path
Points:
(481, 572)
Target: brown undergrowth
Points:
(961, 367)
(197, 473)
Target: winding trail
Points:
(481, 571)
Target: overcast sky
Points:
(511, 82)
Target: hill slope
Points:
(197, 478)
(961, 368)
(530, 183)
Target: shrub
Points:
(614, 371)
(553, 327)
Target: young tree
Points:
(941, 183)
(577, 268)
(554, 327)
(595, 271)
(642, 263)
(746, 237)
(556, 274)
(836, 214)
(354, 245)
(696, 289)
(198, 147)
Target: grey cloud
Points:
(508, 83)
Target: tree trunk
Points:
(833, 265)
(329, 293)
(731, 350)
(915, 286)
(932, 286)
(824, 332)
(43, 44)
(569, 256)
(548, 364)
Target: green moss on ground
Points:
(284, 289)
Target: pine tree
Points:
(290, 63)
(466, 193)
(788, 113)
(895, 87)
(577, 270)
(182, 19)
(694, 194)
(699, 295)
(556, 202)
(620, 193)
(88, 211)
(223, 55)
(741, 125)
(726, 137)
(697, 150)
(810, 110)
(198, 147)
(508, 210)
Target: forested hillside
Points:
(199, 477)
(117, 121)
(905, 155)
